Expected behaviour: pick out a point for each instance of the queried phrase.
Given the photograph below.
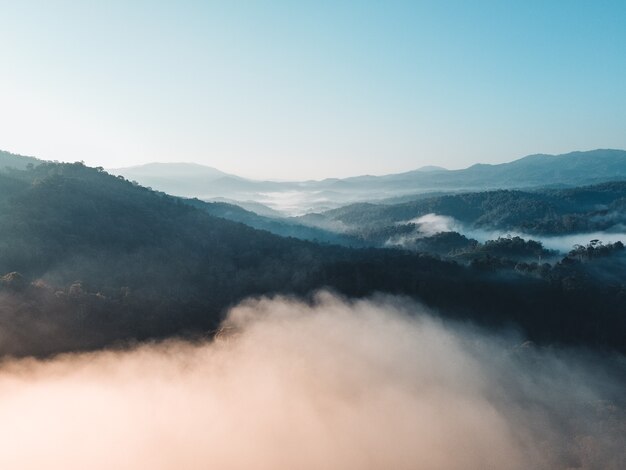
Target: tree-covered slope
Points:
(285, 227)
(90, 260)
(11, 160)
(571, 210)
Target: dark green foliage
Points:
(512, 248)
(545, 212)
(93, 260)
(10, 160)
(443, 244)
(595, 249)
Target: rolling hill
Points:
(11, 160)
(533, 171)
(90, 260)
(546, 211)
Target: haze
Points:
(376, 384)
(287, 90)
(287, 235)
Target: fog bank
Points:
(431, 224)
(376, 384)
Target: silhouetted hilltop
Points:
(12, 160)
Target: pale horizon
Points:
(352, 175)
(289, 91)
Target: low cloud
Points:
(377, 384)
(425, 226)
(431, 224)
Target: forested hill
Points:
(533, 171)
(11, 160)
(285, 227)
(90, 260)
(549, 211)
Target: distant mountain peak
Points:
(171, 169)
(429, 168)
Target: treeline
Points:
(91, 260)
(542, 212)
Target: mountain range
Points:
(91, 260)
(299, 197)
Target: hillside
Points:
(12, 160)
(90, 260)
(541, 212)
(285, 227)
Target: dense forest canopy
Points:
(88, 260)
(538, 212)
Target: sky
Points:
(310, 89)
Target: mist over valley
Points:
(300, 197)
(337, 384)
(313, 235)
(371, 327)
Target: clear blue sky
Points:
(305, 89)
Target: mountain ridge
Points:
(89, 260)
(544, 157)
(571, 169)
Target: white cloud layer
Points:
(374, 384)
